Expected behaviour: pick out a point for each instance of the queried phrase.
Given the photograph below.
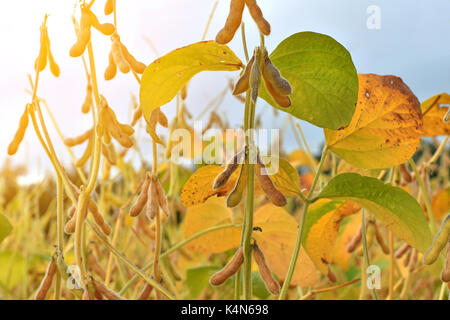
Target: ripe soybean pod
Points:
(117, 53)
(272, 285)
(71, 142)
(231, 166)
(162, 199)
(106, 28)
(439, 242)
(282, 101)
(137, 66)
(83, 35)
(152, 201)
(257, 15)
(402, 250)
(46, 281)
(255, 76)
(88, 101)
(106, 292)
(54, 68)
(272, 74)
(109, 7)
(145, 293)
(406, 176)
(354, 242)
(141, 201)
(235, 197)
(111, 69)
(41, 60)
(233, 22)
(243, 83)
(266, 184)
(20, 133)
(230, 268)
(380, 240)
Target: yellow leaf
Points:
(199, 186)
(213, 212)
(301, 158)
(440, 204)
(350, 227)
(277, 242)
(386, 127)
(321, 229)
(277, 239)
(344, 167)
(166, 76)
(433, 114)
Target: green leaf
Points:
(323, 78)
(396, 208)
(259, 289)
(197, 278)
(5, 227)
(165, 77)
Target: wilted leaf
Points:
(5, 227)
(321, 229)
(277, 241)
(199, 186)
(165, 77)
(323, 78)
(213, 212)
(386, 127)
(433, 110)
(397, 209)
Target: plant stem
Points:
(60, 229)
(425, 195)
(81, 211)
(366, 251)
(392, 266)
(298, 242)
(176, 247)
(127, 262)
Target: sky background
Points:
(412, 43)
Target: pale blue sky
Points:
(413, 43)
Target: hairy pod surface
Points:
(46, 281)
(225, 175)
(354, 242)
(439, 242)
(243, 83)
(230, 268)
(266, 184)
(272, 285)
(141, 201)
(233, 22)
(257, 15)
(272, 75)
(20, 133)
